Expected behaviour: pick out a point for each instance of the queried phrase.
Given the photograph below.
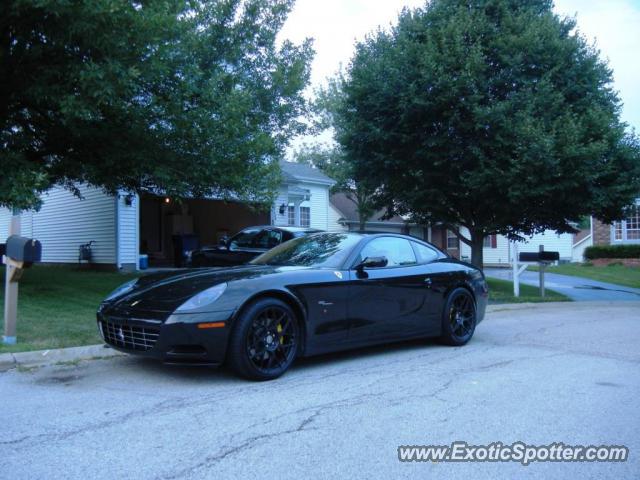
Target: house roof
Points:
(299, 172)
(349, 211)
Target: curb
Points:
(582, 305)
(40, 358)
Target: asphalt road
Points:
(576, 288)
(550, 373)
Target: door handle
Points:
(428, 282)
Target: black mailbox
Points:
(22, 249)
(544, 256)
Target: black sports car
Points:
(314, 294)
(244, 246)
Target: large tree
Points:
(493, 115)
(184, 97)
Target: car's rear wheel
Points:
(264, 341)
(458, 318)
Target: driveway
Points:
(540, 374)
(576, 288)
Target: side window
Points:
(244, 239)
(397, 251)
(267, 239)
(425, 254)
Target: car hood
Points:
(166, 291)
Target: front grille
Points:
(127, 336)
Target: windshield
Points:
(320, 250)
(255, 238)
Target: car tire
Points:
(264, 341)
(458, 318)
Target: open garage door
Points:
(199, 222)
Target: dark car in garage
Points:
(245, 246)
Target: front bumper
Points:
(178, 340)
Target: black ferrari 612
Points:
(318, 293)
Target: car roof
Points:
(370, 234)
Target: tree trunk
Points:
(477, 245)
(363, 222)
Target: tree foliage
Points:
(184, 97)
(494, 115)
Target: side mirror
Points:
(372, 262)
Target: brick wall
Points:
(601, 233)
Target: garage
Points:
(166, 223)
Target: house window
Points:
(452, 241)
(490, 241)
(291, 215)
(305, 216)
(629, 228)
(617, 228)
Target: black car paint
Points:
(339, 308)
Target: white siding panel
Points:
(65, 221)
(562, 243)
(577, 251)
(278, 219)
(128, 242)
(334, 216)
(5, 218)
(26, 224)
(319, 205)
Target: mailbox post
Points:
(20, 253)
(542, 257)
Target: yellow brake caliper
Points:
(279, 328)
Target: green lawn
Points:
(618, 274)
(57, 306)
(501, 291)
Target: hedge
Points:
(612, 251)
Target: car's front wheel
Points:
(264, 341)
(458, 318)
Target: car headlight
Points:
(202, 299)
(122, 289)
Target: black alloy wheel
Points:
(265, 340)
(459, 318)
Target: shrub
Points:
(612, 251)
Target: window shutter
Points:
(494, 241)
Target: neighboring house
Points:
(496, 247)
(346, 218)
(122, 227)
(624, 231)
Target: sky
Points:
(335, 25)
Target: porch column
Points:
(296, 213)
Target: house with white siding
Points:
(497, 248)
(125, 226)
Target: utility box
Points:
(23, 249)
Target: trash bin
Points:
(181, 245)
(144, 262)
